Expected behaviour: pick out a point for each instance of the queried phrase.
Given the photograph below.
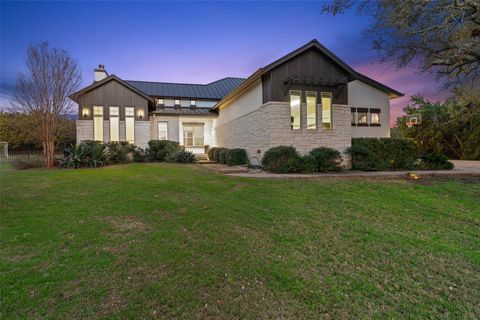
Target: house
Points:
(308, 98)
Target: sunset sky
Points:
(193, 42)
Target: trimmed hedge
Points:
(236, 157)
(222, 155)
(282, 159)
(159, 150)
(434, 161)
(326, 159)
(210, 153)
(377, 154)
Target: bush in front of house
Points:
(139, 154)
(216, 154)
(118, 152)
(88, 153)
(236, 157)
(159, 150)
(182, 156)
(377, 154)
(222, 156)
(326, 159)
(434, 161)
(210, 153)
(282, 159)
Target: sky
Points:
(192, 42)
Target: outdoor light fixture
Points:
(140, 114)
(85, 112)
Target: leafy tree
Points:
(441, 36)
(451, 128)
(43, 93)
(15, 129)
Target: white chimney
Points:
(100, 73)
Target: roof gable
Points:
(97, 84)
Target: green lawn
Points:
(177, 241)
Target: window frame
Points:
(176, 102)
(307, 93)
(330, 94)
(98, 119)
(193, 125)
(361, 111)
(114, 118)
(290, 94)
(166, 129)
(160, 102)
(375, 111)
(131, 121)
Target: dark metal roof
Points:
(185, 111)
(215, 90)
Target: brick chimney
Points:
(100, 73)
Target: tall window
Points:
(375, 117)
(163, 131)
(193, 134)
(311, 110)
(98, 123)
(295, 109)
(362, 117)
(114, 127)
(326, 110)
(130, 124)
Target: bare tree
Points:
(441, 36)
(43, 93)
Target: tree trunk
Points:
(49, 152)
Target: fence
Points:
(25, 157)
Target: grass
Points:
(178, 241)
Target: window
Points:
(177, 102)
(374, 117)
(193, 134)
(163, 131)
(130, 124)
(98, 123)
(311, 110)
(169, 102)
(114, 124)
(193, 102)
(326, 110)
(354, 116)
(362, 117)
(185, 103)
(295, 109)
(160, 102)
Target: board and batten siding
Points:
(112, 94)
(362, 95)
(311, 64)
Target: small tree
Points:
(43, 93)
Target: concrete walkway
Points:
(461, 168)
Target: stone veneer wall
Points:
(84, 130)
(142, 131)
(269, 126)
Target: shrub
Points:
(373, 154)
(222, 156)
(23, 164)
(139, 154)
(159, 150)
(326, 159)
(215, 153)
(75, 156)
(236, 157)
(210, 153)
(182, 156)
(88, 153)
(97, 156)
(307, 164)
(118, 151)
(434, 161)
(282, 159)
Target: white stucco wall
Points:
(247, 102)
(362, 95)
(207, 128)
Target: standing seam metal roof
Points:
(214, 90)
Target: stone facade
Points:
(269, 126)
(142, 133)
(84, 130)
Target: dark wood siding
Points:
(112, 94)
(311, 64)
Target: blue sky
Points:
(196, 42)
